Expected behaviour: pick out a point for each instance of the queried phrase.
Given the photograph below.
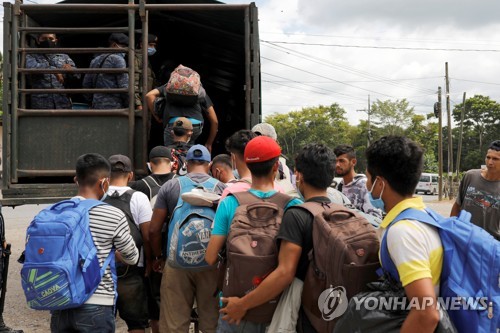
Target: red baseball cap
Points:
(261, 149)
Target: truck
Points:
(39, 149)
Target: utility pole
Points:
(369, 130)
(450, 133)
(440, 146)
(459, 153)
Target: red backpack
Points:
(183, 86)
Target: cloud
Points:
(406, 14)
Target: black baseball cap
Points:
(160, 151)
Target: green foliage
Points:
(321, 124)
(393, 117)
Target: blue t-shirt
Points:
(227, 207)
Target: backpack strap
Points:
(428, 216)
(247, 197)
(315, 208)
(150, 183)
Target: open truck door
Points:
(40, 147)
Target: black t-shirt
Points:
(296, 228)
(194, 111)
(141, 186)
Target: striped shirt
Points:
(109, 228)
(414, 247)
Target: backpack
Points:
(61, 268)
(190, 229)
(122, 202)
(251, 248)
(153, 187)
(471, 269)
(179, 162)
(344, 256)
(183, 86)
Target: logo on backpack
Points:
(190, 229)
(61, 268)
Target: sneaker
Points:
(200, 197)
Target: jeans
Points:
(168, 139)
(224, 326)
(88, 318)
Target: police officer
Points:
(109, 80)
(50, 81)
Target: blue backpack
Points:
(471, 269)
(61, 269)
(190, 229)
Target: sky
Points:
(322, 52)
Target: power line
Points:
(383, 47)
(343, 67)
(495, 84)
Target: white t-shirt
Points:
(140, 207)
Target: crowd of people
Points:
(231, 240)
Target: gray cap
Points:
(118, 38)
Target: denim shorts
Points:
(88, 318)
(132, 299)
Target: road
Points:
(18, 315)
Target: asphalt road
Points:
(18, 315)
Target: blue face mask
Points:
(377, 203)
(236, 174)
(151, 51)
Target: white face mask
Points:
(102, 188)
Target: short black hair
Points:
(223, 159)
(345, 149)
(197, 162)
(158, 160)
(179, 131)
(495, 145)
(237, 142)
(261, 169)
(90, 168)
(316, 162)
(119, 174)
(397, 159)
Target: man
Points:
(181, 132)
(193, 113)
(160, 160)
(283, 175)
(479, 193)
(109, 80)
(138, 79)
(221, 168)
(132, 294)
(109, 229)
(262, 158)
(50, 81)
(353, 185)
(314, 170)
(179, 288)
(236, 145)
(394, 165)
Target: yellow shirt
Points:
(414, 247)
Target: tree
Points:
(393, 117)
(482, 115)
(321, 124)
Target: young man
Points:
(193, 113)
(393, 171)
(353, 185)
(139, 61)
(161, 167)
(50, 81)
(179, 287)
(132, 295)
(262, 158)
(314, 165)
(283, 175)
(236, 144)
(479, 193)
(160, 160)
(109, 229)
(109, 80)
(221, 168)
